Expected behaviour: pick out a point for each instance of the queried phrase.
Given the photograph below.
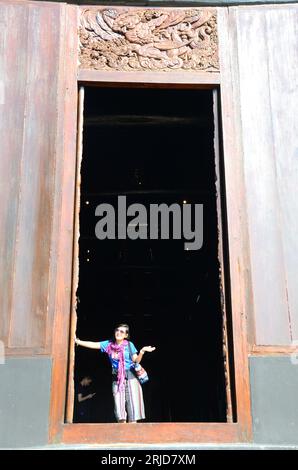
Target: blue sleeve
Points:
(103, 345)
(133, 348)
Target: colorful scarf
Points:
(113, 348)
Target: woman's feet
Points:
(124, 421)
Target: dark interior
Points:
(152, 145)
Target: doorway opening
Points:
(153, 146)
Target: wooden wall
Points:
(263, 49)
(37, 59)
(34, 48)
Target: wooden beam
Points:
(147, 78)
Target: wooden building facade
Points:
(247, 57)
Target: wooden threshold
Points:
(150, 433)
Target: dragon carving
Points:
(130, 39)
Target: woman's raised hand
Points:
(148, 348)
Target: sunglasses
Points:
(120, 331)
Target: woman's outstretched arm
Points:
(87, 344)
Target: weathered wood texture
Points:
(263, 47)
(32, 70)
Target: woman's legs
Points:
(128, 403)
(134, 400)
(119, 403)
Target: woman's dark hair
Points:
(123, 325)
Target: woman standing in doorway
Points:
(126, 388)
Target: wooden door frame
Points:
(107, 433)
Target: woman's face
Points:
(121, 333)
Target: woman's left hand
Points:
(148, 348)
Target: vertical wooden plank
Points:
(282, 43)
(13, 66)
(35, 215)
(64, 225)
(236, 214)
(268, 270)
(73, 326)
(220, 214)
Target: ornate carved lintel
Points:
(152, 39)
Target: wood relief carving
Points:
(131, 39)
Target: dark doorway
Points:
(154, 146)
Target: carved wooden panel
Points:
(156, 39)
